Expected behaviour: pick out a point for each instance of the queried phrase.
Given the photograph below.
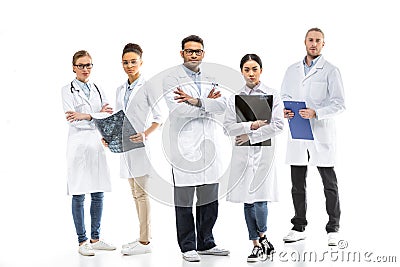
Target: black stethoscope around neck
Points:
(74, 89)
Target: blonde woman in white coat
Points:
(252, 179)
(87, 168)
(139, 103)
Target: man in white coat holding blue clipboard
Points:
(318, 83)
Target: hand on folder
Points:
(137, 138)
(307, 113)
(288, 114)
(106, 108)
(298, 115)
(104, 142)
(241, 139)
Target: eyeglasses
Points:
(134, 62)
(82, 66)
(190, 52)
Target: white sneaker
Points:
(294, 236)
(191, 256)
(136, 248)
(130, 244)
(101, 245)
(86, 250)
(333, 239)
(216, 251)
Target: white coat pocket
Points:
(318, 91)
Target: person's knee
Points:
(78, 198)
(98, 196)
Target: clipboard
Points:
(252, 108)
(299, 128)
(116, 130)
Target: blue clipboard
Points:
(299, 128)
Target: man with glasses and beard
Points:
(193, 101)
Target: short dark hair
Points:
(135, 48)
(249, 57)
(315, 29)
(192, 38)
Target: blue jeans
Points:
(256, 218)
(96, 210)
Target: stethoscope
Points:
(74, 89)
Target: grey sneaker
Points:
(101, 245)
(130, 244)
(333, 239)
(216, 251)
(136, 248)
(191, 256)
(294, 236)
(86, 250)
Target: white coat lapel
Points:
(318, 67)
(207, 84)
(135, 89)
(81, 94)
(187, 83)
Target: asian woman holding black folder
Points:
(252, 178)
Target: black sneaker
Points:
(266, 246)
(256, 254)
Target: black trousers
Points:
(206, 216)
(328, 175)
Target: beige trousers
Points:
(142, 202)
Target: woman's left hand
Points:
(241, 139)
(106, 108)
(137, 138)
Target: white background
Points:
(38, 39)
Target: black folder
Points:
(252, 108)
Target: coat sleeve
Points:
(214, 106)
(154, 104)
(118, 102)
(285, 90)
(170, 83)
(335, 102)
(68, 105)
(231, 127)
(276, 125)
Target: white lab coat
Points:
(87, 168)
(193, 131)
(322, 90)
(253, 174)
(142, 111)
